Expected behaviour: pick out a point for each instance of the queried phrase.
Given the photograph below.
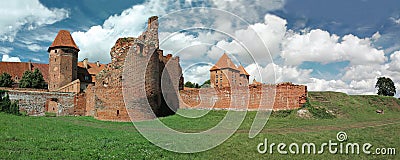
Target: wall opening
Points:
(117, 112)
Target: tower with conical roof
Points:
(63, 58)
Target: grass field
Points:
(86, 138)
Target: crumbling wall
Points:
(36, 102)
(105, 100)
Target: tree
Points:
(385, 86)
(206, 83)
(7, 106)
(5, 80)
(38, 80)
(189, 84)
(5, 103)
(32, 80)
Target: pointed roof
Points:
(63, 39)
(224, 62)
(243, 71)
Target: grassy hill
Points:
(86, 138)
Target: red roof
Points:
(243, 71)
(224, 62)
(92, 67)
(91, 71)
(63, 39)
(17, 69)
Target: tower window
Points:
(55, 51)
(117, 112)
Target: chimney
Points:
(30, 65)
(85, 63)
(98, 64)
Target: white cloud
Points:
(35, 47)
(197, 73)
(273, 73)
(96, 43)
(397, 21)
(22, 14)
(320, 46)
(254, 43)
(251, 10)
(376, 36)
(7, 58)
(5, 50)
(394, 65)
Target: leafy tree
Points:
(189, 84)
(5, 80)
(26, 80)
(32, 80)
(206, 83)
(38, 80)
(385, 86)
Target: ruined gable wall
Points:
(105, 100)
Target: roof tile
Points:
(63, 39)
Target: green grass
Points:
(23, 137)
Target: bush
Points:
(281, 114)
(6, 80)
(7, 106)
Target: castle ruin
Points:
(98, 90)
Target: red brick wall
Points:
(288, 96)
(80, 104)
(36, 102)
(105, 100)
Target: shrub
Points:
(7, 106)
(281, 114)
(6, 80)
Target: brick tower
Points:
(63, 58)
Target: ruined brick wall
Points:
(277, 97)
(105, 100)
(36, 102)
(80, 104)
(109, 104)
(90, 101)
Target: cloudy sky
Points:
(330, 45)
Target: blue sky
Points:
(336, 45)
